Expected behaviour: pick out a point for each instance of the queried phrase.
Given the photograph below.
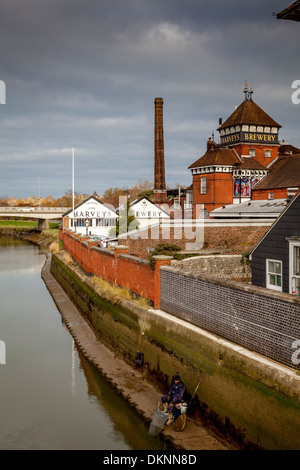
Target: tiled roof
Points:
(250, 163)
(287, 149)
(218, 156)
(292, 12)
(248, 112)
(284, 173)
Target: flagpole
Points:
(73, 182)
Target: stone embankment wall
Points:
(233, 267)
(247, 397)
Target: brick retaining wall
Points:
(115, 266)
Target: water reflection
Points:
(50, 396)
(125, 421)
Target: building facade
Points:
(233, 170)
(275, 261)
(91, 217)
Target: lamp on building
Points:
(87, 224)
(75, 224)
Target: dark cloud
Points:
(85, 73)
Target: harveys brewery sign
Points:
(251, 137)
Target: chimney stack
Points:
(160, 193)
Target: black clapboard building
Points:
(275, 260)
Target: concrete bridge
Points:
(42, 214)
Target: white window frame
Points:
(268, 284)
(203, 185)
(268, 153)
(252, 152)
(292, 245)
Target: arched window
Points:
(203, 185)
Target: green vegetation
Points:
(245, 260)
(31, 224)
(125, 223)
(18, 223)
(168, 250)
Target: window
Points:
(252, 152)
(271, 195)
(267, 153)
(294, 268)
(274, 274)
(203, 185)
(106, 222)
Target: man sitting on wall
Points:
(173, 399)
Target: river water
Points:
(50, 396)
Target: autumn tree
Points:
(141, 188)
(112, 196)
(126, 221)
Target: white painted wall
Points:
(101, 218)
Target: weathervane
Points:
(248, 93)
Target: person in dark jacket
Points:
(172, 400)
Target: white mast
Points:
(73, 181)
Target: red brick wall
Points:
(102, 264)
(280, 193)
(237, 239)
(219, 191)
(116, 266)
(243, 149)
(84, 260)
(136, 277)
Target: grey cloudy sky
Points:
(85, 73)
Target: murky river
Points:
(50, 396)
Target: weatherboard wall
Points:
(275, 245)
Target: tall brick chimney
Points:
(160, 193)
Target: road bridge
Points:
(42, 214)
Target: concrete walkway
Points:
(129, 383)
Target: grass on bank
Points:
(31, 224)
(28, 226)
(104, 288)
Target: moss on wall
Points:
(238, 397)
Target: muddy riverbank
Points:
(43, 238)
